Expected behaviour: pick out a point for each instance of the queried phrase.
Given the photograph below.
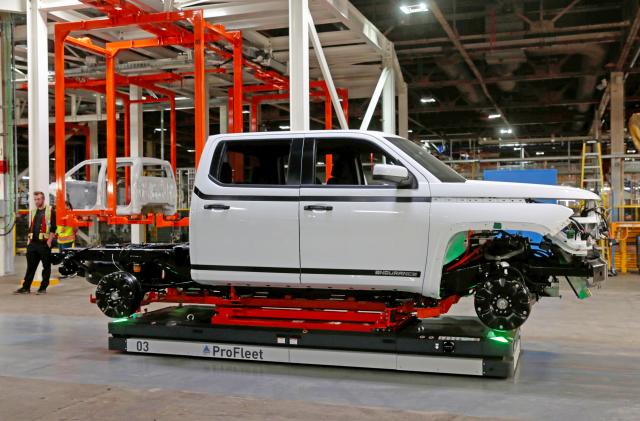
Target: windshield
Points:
(439, 169)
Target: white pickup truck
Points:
(359, 213)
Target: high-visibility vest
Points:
(65, 234)
(45, 228)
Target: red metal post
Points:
(344, 95)
(328, 112)
(237, 83)
(230, 125)
(199, 81)
(112, 198)
(59, 38)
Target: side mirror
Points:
(393, 173)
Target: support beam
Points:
(38, 102)
(389, 103)
(7, 178)
(617, 136)
(375, 98)
(630, 41)
(93, 230)
(13, 6)
(38, 94)
(136, 149)
(326, 74)
(299, 64)
(223, 117)
(453, 36)
(403, 111)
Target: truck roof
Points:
(253, 135)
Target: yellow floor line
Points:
(36, 283)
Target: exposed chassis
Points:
(129, 277)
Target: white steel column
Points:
(389, 101)
(38, 94)
(38, 103)
(403, 111)
(93, 143)
(299, 64)
(224, 118)
(7, 214)
(137, 144)
(617, 136)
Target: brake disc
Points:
(118, 294)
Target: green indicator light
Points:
(120, 320)
(500, 339)
(499, 336)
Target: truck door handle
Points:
(318, 208)
(217, 206)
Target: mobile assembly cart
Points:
(450, 345)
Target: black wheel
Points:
(503, 301)
(118, 294)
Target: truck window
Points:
(348, 162)
(264, 162)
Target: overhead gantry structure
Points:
(234, 50)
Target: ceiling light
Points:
(540, 153)
(284, 127)
(409, 9)
(246, 112)
(191, 150)
(428, 100)
(409, 131)
(506, 131)
(494, 116)
(181, 98)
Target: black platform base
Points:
(453, 345)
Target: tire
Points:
(119, 294)
(503, 301)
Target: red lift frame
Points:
(301, 313)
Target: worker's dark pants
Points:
(38, 251)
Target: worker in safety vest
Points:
(66, 236)
(42, 228)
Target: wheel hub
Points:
(118, 294)
(503, 301)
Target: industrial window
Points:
(348, 162)
(264, 162)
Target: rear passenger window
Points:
(264, 162)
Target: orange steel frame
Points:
(162, 25)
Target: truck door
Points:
(356, 232)
(244, 213)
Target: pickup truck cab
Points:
(367, 212)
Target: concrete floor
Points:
(581, 360)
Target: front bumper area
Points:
(598, 271)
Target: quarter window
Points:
(264, 162)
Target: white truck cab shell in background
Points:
(361, 237)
